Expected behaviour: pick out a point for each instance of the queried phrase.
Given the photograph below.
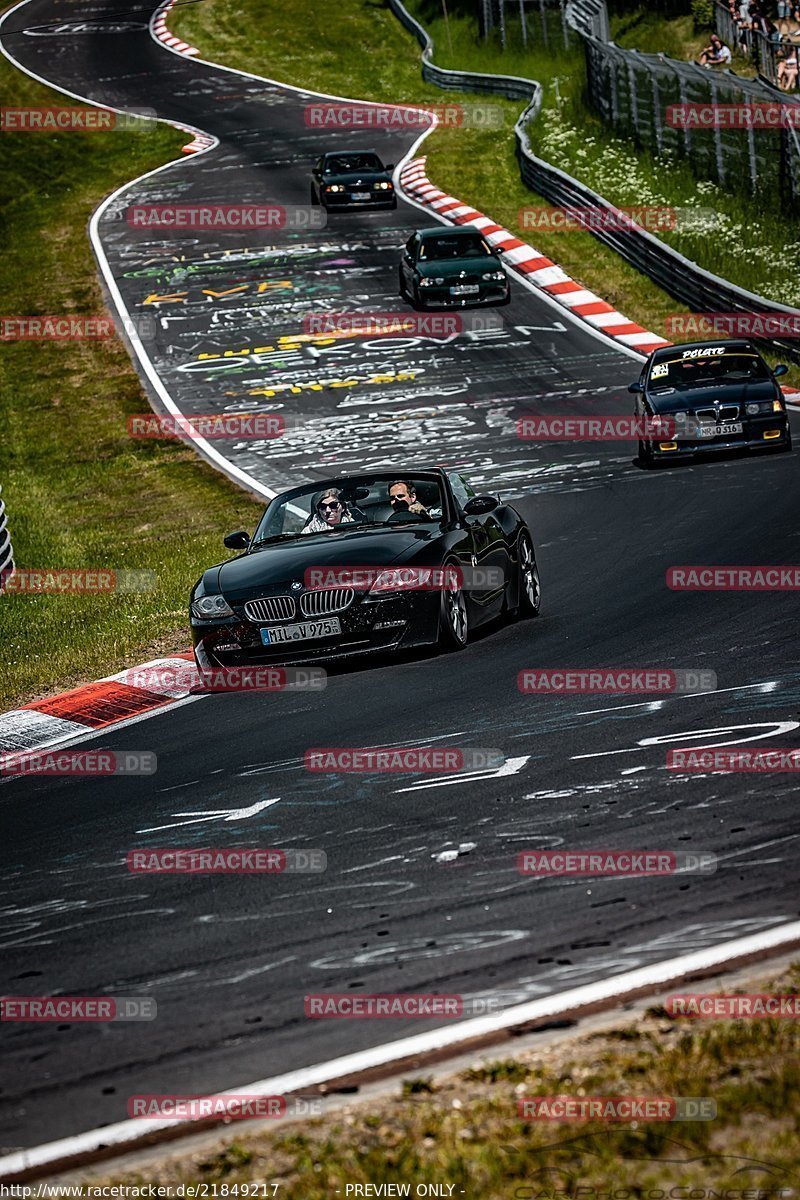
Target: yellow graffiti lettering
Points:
(229, 292)
(169, 298)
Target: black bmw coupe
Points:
(369, 562)
(709, 396)
(352, 179)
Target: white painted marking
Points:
(512, 766)
(655, 977)
(216, 814)
(771, 729)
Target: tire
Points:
(529, 588)
(453, 618)
(416, 300)
(786, 446)
(645, 456)
(314, 199)
(402, 283)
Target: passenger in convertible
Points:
(328, 511)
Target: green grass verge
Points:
(651, 32)
(465, 1130)
(311, 45)
(78, 491)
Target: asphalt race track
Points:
(230, 959)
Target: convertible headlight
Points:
(334, 187)
(427, 281)
(403, 579)
(495, 276)
(208, 607)
(384, 186)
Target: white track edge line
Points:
(653, 976)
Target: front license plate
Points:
(277, 635)
(709, 431)
(361, 196)
(465, 289)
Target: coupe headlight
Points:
(334, 187)
(208, 607)
(383, 186)
(427, 281)
(764, 406)
(495, 276)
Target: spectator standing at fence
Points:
(787, 68)
(784, 8)
(716, 53)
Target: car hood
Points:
(351, 177)
(674, 400)
(282, 563)
(450, 267)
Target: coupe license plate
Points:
(304, 631)
(360, 196)
(465, 289)
(710, 431)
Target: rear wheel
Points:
(314, 196)
(530, 590)
(453, 619)
(402, 282)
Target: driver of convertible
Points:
(328, 510)
(403, 498)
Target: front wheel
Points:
(645, 455)
(453, 619)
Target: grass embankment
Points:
(464, 1130)
(311, 45)
(79, 492)
(653, 33)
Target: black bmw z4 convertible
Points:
(367, 562)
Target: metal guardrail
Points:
(6, 552)
(688, 283)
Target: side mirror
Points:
(237, 541)
(389, 167)
(635, 389)
(481, 504)
(781, 369)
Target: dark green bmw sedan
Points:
(452, 268)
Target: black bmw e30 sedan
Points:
(368, 562)
(352, 179)
(709, 396)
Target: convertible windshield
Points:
(714, 367)
(363, 501)
(435, 249)
(353, 162)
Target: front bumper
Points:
(343, 200)
(770, 434)
(439, 297)
(368, 626)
